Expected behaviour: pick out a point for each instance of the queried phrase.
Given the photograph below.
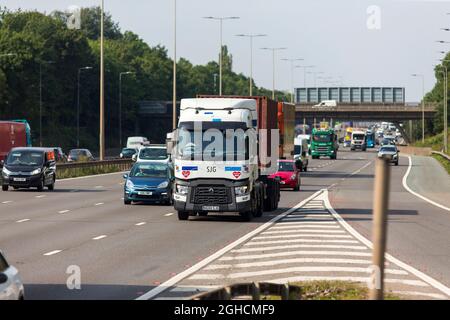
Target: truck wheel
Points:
(52, 186)
(126, 202)
(260, 207)
(5, 188)
(183, 215)
(41, 186)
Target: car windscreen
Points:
(322, 138)
(286, 166)
(153, 154)
(150, 170)
(76, 153)
(388, 149)
(358, 137)
(25, 158)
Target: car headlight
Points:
(6, 172)
(240, 191)
(163, 185)
(182, 189)
(130, 184)
(37, 171)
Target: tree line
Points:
(35, 46)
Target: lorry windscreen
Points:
(216, 145)
(25, 158)
(358, 137)
(322, 138)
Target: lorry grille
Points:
(209, 195)
(322, 149)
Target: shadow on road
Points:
(392, 213)
(87, 292)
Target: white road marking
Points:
(259, 243)
(51, 253)
(41, 196)
(316, 219)
(286, 261)
(290, 270)
(172, 281)
(99, 237)
(302, 236)
(6, 202)
(405, 185)
(295, 223)
(423, 294)
(434, 283)
(99, 204)
(200, 288)
(303, 231)
(141, 224)
(296, 227)
(93, 176)
(63, 211)
(298, 246)
(353, 279)
(23, 220)
(169, 214)
(295, 253)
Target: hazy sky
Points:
(330, 34)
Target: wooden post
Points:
(379, 227)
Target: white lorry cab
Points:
(358, 140)
(137, 142)
(214, 159)
(326, 104)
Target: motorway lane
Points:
(418, 232)
(131, 259)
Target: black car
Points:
(80, 155)
(128, 153)
(29, 168)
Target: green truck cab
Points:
(324, 143)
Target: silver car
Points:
(389, 152)
(11, 286)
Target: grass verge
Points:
(445, 163)
(82, 172)
(332, 290)
(435, 142)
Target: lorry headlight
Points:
(182, 189)
(163, 185)
(240, 191)
(35, 172)
(130, 184)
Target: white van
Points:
(137, 142)
(358, 141)
(326, 104)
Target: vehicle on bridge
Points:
(234, 175)
(324, 143)
(149, 182)
(326, 104)
(358, 140)
(289, 175)
(29, 168)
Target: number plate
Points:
(20, 179)
(210, 208)
(145, 193)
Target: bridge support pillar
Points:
(304, 125)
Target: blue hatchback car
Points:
(149, 182)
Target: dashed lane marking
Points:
(99, 204)
(99, 237)
(6, 202)
(141, 224)
(23, 220)
(63, 211)
(51, 253)
(41, 196)
(169, 214)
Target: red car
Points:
(289, 174)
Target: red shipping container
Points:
(12, 135)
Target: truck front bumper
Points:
(191, 203)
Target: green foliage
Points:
(35, 38)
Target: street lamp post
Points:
(292, 76)
(102, 85)
(423, 104)
(304, 72)
(251, 37)
(274, 50)
(120, 104)
(78, 103)
(174, 93)
(445, 106)
(40, 99)
(221, 19)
